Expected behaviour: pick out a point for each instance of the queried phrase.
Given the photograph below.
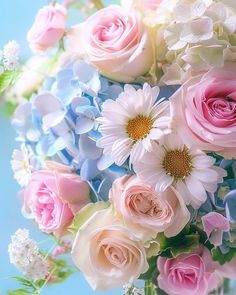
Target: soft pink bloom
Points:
(64, 248)
(115, 41)
(151, 4)
(192, 274)
(215, 224)
(48, 27)
(142, 4)
(147, 212)
(204, 111)
(52, 199)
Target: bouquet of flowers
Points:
(127, 125)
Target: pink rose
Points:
(52, 199)
(115, 41)
(204, 111)
(48, 27)
(147, 212)
(192, 274)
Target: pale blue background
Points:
(16, 17)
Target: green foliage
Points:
(222, 258)
(7, 79)
(20, 292)
(150, 288)
(62, 271)
(9, 108)
(184, 242)
(27, 287)
(152, 267)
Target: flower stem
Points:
(98, 4)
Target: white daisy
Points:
(130, 124)
(22, 165)
(190, 171)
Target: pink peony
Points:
(204, 111)
(192, 274)
(115, 41)
(48, 27)
(52, 198)
(147, 212)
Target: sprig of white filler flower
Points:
(129, 289)
(9, 56)
(24, 254)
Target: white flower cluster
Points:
(25, 255)
(10, 56)
(128, 289)
(198, 34)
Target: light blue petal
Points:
(88, 148)
(89, 169)
(104, 162)
(83, 125)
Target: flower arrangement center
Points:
(139, 127)
(177, 163)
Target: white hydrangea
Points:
(11, 53)
(199, 35)
(25, 255)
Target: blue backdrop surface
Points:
(16, 17)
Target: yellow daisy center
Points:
(139, 127)
(24, 164)
(177, 163)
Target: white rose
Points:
(107, 252)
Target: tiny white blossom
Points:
(22, 163)
(11, 53)
(25, 255)
(129, 289)
(138, 291)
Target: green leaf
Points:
(9, 108)
(85, 213)
(19, 292)
(7, 79)
(184, 242)
(152, 267)
(150, 288)
(24, 281)
(217, 255)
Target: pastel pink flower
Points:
(151, 4)
(142, 4)
(52, 198)
(115, 41)
(215, 224)
(48, 27)
(204, 111)
(192, 274)
(147, 212)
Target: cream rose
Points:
(115, 41)
(105, 249)
(147, 212)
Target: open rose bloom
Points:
(128, 144)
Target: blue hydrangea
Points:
(60, 123)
